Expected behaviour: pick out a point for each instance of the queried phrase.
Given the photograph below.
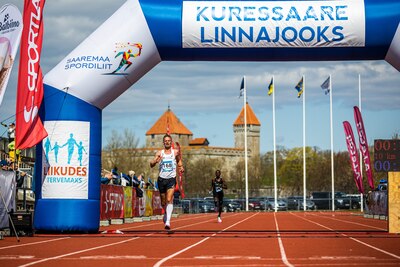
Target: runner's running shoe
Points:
(219, 220)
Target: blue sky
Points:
(204, 95)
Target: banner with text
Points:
(353, 153)
(65, 160)
(10, 36)
(233, 24)
(362, 137)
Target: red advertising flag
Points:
(364, 146)
(29, 127)
(353, 153)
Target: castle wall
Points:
(156, 140)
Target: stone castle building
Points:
(197, 148)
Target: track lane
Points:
(308, 239)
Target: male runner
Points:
(169, 159)
(217, 186)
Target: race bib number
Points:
(167, 165)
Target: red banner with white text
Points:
(353, 153)
(364, 146)
(29, 128)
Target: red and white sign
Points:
(29, 127)
(353, 153)
(364, 146)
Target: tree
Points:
(198, 175)
(121, 151)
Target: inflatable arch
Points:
(143, 33)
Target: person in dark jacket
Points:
(217, 187)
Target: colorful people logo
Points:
(70, 144)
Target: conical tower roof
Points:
(251, 118)
(171, 121)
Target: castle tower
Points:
(253, 131)
(168, 122)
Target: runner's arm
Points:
(179, 161)
(156, 159)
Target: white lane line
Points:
(281, 248)
(361, 224)
(76, 252)
(143, 224)
(158, 264)
(104, 257)
(354, 239)
(90, 249)
(34, 243)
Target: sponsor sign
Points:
(30, 130)
(110, 60)
(65, 160)
(364, 146)
(235, 24)
(353, 154)
(10, 36)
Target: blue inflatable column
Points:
(68, 164)
(89, 78)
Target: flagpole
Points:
(274, 136)
(332, 158)
(304, 144)
(245, 146)
(361, 160)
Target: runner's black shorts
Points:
(165, 184)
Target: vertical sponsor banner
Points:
(29, 127)
(127, 201)
(133, 201)
(140, 205)
(104, 205)
(364, 146)
(10, 36)
(149, 203)
(157, 207)
(112, 202)
(116, 200)
(65, 160)
(353, 153)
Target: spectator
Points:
(141, 181)
(106, 179)
(10, 131)
(20, 178)
(115, 176)
(134, 180)
(7, 164)
(125, 180)
(4, 164)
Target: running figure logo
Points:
(127, 55)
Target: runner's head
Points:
(167, 140)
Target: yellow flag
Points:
(271, 87)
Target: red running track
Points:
(242, 239)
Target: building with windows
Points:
(199, 147)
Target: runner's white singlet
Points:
(167, 165)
